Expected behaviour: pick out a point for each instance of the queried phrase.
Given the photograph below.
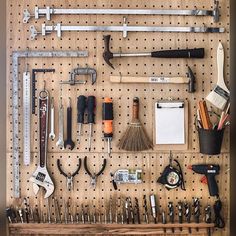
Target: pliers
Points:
(94, 176)
(69, 176)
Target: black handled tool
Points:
(179, 53)
(208, 218)
(81, 106)
(196, 210)
(171, 214)
(91, 117)
(210, 171)
(95, 175)
(68, 142)
(146, 218)
(180, 213)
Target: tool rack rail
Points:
(62, 229)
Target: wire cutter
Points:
(94, 176)
(69, 176)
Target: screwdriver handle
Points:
(91, 103)
(81, 105)
(107, 117)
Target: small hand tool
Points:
(180, 213)
(146, 218)
(41, 177)
(110, 211)
(153, 206)
(81, 71)
(26, 210)
(60, 141)
(36, 215)
(69, 176)
(135, 137)
(81, 106)
(88, 214)
(107, 117)
(127, 210)
(91, 103)
(52, 133)
(208, 219)
(163, 217)
(196, 210)
(171, 214)
(179, 53)
(131, 210)
(9, 214)
(187, 213)
(94, 176)
(137, 213)
(68, 142)
(113, 181)
(20, 213)
(82, 213)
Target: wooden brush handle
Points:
(135, 107)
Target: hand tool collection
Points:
(136, 138)
(117, 210)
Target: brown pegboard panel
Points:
(153, 161)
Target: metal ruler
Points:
(47, 29)
(26, 117)
(48, 11)
(15, 102)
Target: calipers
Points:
(48, 11)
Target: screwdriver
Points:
(91, 117)
(81, 105)
(107, 117)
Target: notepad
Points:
(170, 122)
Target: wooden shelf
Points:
(63, 229)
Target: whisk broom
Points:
(135, 137)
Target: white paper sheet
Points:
(169, 121)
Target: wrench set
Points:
(49, 107)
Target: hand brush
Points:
(220, 94)
(135, 137)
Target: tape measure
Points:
(26, 117)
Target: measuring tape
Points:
(26, 117)
(15, 104)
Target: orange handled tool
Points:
(107, 117)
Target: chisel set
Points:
(101, 121)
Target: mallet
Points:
(179, 53)
(189, 80)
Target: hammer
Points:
(179, 53)
(189, 80)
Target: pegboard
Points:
(153, 161)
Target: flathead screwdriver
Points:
(81, 105)
(107, 117)
(91, 117)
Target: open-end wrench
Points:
(52, 133)
(41, 177)
(60, 141)
(68, 142)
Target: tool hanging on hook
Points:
(172, 177)
(95, 175)
(179, 53)
(69, 176)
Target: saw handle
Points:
(135, 108)
(180, 53)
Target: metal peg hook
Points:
(44, 85)
(171, 158)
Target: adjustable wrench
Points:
(41, 177)
(60, 141)
(52, 133)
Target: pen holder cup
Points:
(210, 141)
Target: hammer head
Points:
(107, 55)
(192, 80)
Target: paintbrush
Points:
(220, 94)
(135, 137)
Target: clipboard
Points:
(171, 125)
